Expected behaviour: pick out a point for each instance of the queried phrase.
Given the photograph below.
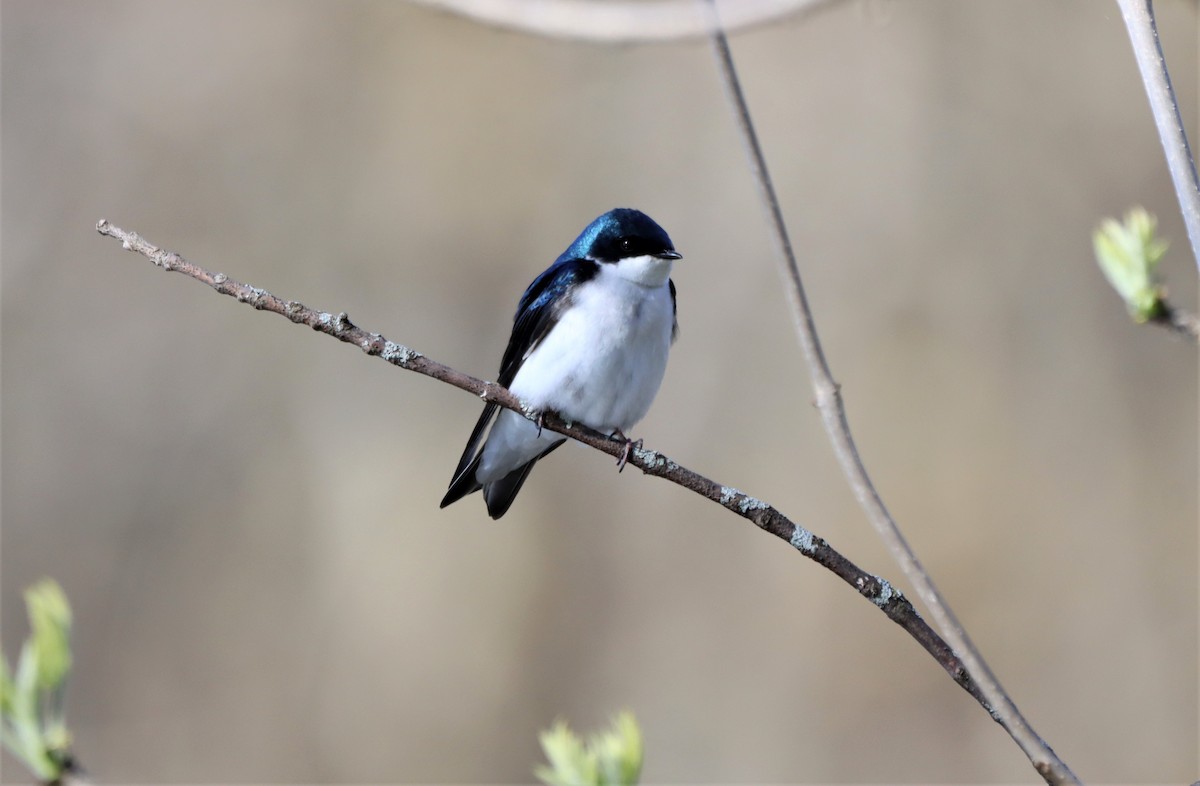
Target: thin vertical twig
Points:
(833, 415)
(1147, 50)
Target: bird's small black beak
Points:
(670, 254)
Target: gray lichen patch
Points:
(255, 296)
(750, 504)
(652, 459)
(395, 353)
(879, 590)
(729, 494)
(886, 593)
(802, 540)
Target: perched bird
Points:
(589, 341)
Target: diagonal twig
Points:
(1147, 50)
(837, 427)
(878, 590)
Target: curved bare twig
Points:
(878, 590)
(837, 427)
(618, 21)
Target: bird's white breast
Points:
(603, 362)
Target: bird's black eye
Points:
(626, 244)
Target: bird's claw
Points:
(630, 444)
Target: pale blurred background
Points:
(244, 513)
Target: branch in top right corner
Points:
(1128, 254)
(1147, 51)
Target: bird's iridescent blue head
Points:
(620, 234)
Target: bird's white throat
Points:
(648, 271)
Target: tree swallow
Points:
(589, 341)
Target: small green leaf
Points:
(50, 621)
(57, 742)
(31, 720)
(24, 698)
(27, 742)
(612, 758)
(570, 763)
(1128, 254)
(619, 752)
(6, 688)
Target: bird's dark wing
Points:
(538, 311)
(674, 312)
(540, 307)
(463, 482)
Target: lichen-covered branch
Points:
(877, 590)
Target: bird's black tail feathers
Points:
(463, 482)
(499, 494)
